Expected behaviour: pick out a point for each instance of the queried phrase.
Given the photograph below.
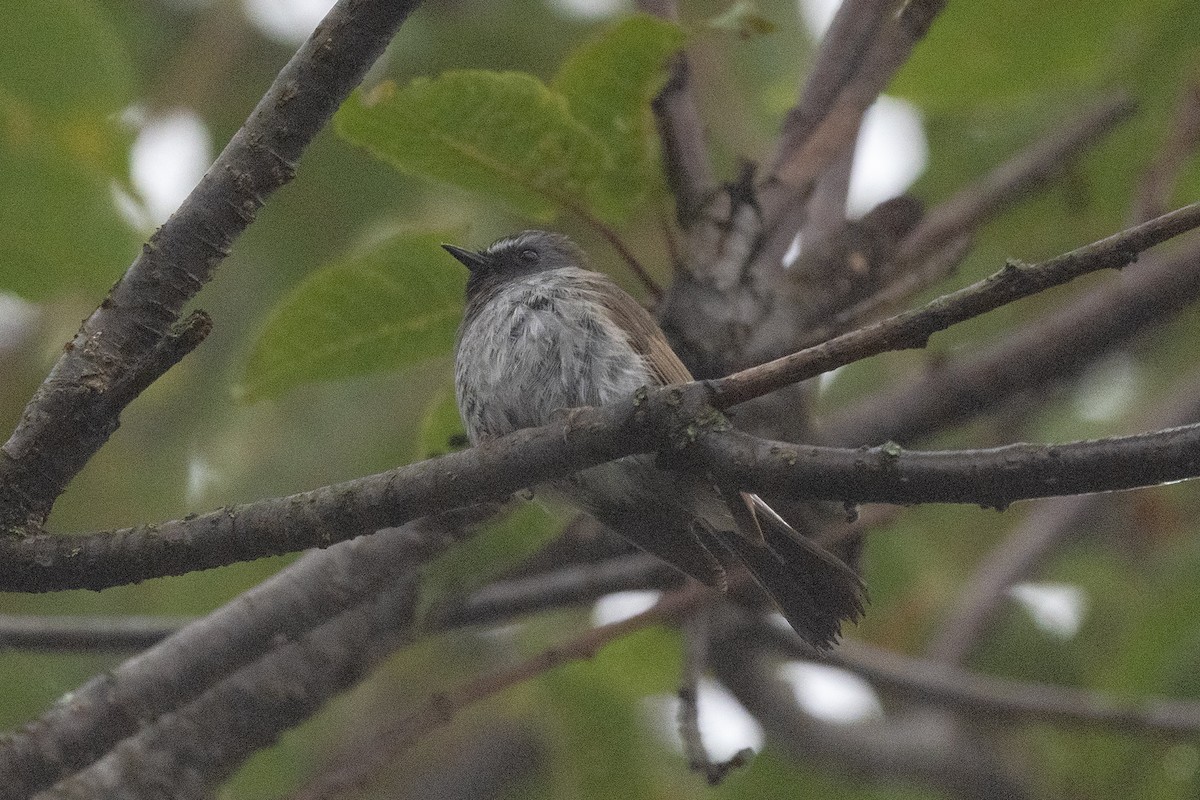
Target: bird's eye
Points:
(529, 256)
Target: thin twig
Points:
(442, 708)
(1153, 194)
(1038, 355)
(1013, 180)
(85, 633)
(913, 328)
(618, 244)
(695, 656)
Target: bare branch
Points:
(91, 633)
(1000, 700)
(571, 585)
(133, 336)
(913, 328)
(882, 750)
(1013, 180)
(194, 749)
(1154, 191)
(1039, 354)
(993, 478)
(801, 159)
(670, 418)
(442, 708)
(841, 57)
(1047, 526)
(114, 705)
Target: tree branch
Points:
(1013, 180)
(1154, 190)
(802, 157)
(1047, 525)
(993, 478)
(841, 57)
(666, 419)
(912, 329)
(965, 387)
(442, 708)
(114, 705)
(194, 749)
(1001, 700)
(881, 750)
(133, 337)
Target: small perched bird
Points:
(543, 333)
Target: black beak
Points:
(471, 260)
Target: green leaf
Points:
(609, 83)
(394, 305)
(64, 73)
(505, 135)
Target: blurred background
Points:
(112, 109)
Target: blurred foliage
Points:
(325, 255)
(62, 152)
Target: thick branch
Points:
(663, 419)
(127, 342)
(194, 749)
(321, 517)
(114, 705)
(842, 55)
(993, 478)
(802, 158)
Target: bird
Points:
(543, 333)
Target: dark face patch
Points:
(520, 255)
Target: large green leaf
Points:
(394, 305)
(505, 135)
(64, 74)
(609, 83)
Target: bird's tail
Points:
(813, 588)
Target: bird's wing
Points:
(645, 336)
